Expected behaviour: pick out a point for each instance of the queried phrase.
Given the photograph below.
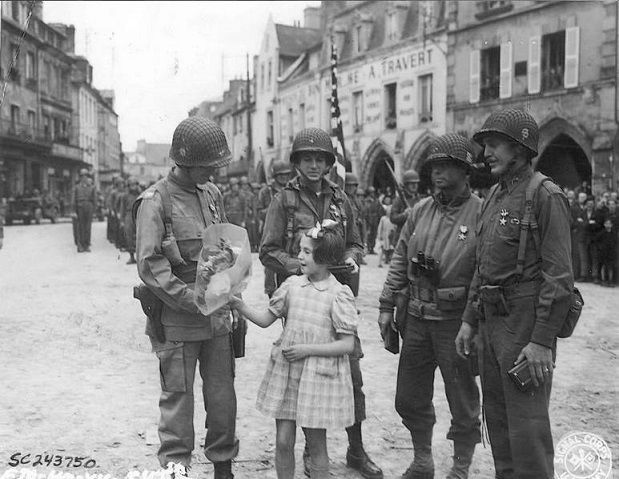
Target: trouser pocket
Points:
(172, 367)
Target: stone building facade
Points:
(555, 59)
(391, 84)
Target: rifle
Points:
(398, 187)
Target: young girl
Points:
(308, 382)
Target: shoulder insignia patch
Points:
(148, 194)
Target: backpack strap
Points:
(340, 200)
(529, 221)
(291, 204)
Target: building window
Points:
(358, 38)
(425, 99)
(270, 129)
(234, 125)
(302, 116)
(357, 105)
(262, 76)
(14, 73)
(32, 120)
(46, 128)
(240, 123)
(553, 60)
(489, 8)
(290, 125)
(270, 73)
(15, 10)
(490, 73)
(15, 118)
(392, 26)
(30, 73)
(391, 116)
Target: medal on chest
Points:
(335, 212)
(462, 233)
(214, 212)
(504, 215)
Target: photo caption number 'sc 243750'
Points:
(45, 459)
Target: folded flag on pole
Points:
(337, 134)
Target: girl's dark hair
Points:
(329, 248)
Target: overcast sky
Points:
(164, 58)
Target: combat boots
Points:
(463, 456)
(422, 466)
(357, 458)
(223, 470)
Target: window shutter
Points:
(572, 44)
(474, 79)
(534, 77)
(505, 90)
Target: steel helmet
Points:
(280, 167)
(83, 172)
(198, 141)
(313, 139)
(517, 125)
(244, 180)
(360, 191)
(410, 176)
(234, 181)
(452, 147)
(351, 179)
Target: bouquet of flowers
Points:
(224, 266)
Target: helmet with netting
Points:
(351, 179)
(516, 125)
(198, 141)
(410, 176)
(451, 147)
(314, 140)
(281, 167)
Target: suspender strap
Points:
(529, 222)
(166, 202)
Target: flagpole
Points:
(336, 122)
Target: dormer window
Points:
(392, 30)
(489, 8)
(394, 21)
(362, 31)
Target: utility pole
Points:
(250, 155)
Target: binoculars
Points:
(426, 266)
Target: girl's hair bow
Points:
(318, 231)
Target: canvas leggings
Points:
(178, 362)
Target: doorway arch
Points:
(564, 153)
(374, 169)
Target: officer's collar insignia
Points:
(463, 232)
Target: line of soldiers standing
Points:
(118, 204)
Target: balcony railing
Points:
(23, 132)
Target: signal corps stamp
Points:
(582, 455)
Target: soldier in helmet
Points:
(83, 200)
(308, 199)
(169, 217)
(251, 223)
(374, 211)
(280, 172)
(351, 184)
(524, 291)
(402, 207)
(235, 204)
(434, 260)
(125, 208)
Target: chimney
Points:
(70, 33)
(312, 17)
(37, 9)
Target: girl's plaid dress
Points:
(316, 391)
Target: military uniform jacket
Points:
(236, 207)
(445, 232)
(498, 238)
(84, 194)
(332, 203)
(193, 210)
(265, 196)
